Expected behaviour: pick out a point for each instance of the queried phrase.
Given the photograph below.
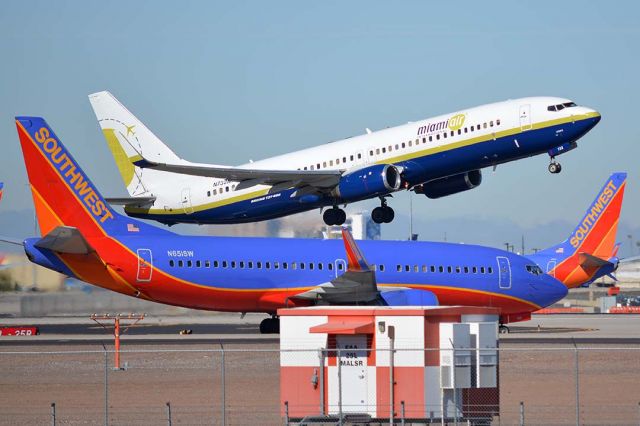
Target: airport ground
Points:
(66, 364)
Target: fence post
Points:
(53, 414)
(322, 402)
(339, 388)
(521, 413)
(224, 390)
(106, 386)
(286, 413)
(169, 421)
(577, 385)
(402, 413)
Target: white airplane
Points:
(436, 157)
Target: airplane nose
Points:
(548, 290)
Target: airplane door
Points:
(340, 266)
(186, 201)
(145, 265)
(353, 362)
(551, 265)
(525, 117)
(504, 272)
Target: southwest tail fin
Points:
(128, 140)
(63, 194)
(590, 250)
(1, 189)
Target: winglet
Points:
(355, 257)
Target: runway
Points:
(228, 328)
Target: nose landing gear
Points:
(334, 216)
(554, 166)
(383, 214)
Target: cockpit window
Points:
(560, 107)
(534, 269)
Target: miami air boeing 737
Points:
(83, 237)
(436, 157)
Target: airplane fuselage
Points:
(460, 142)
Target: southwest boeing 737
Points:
(83, 237)
(436, 157)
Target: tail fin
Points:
(63, 195)
(594, 236)
(129, 140)
(1, 190)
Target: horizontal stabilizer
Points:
(590, 261)
(317, 178)
(132, 201)
(65, 239)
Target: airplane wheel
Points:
(377, 215)
(329, 216)
(555, 167)
(341, 216)
(389, 214)
(503, 329)
(270, 326)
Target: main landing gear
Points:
(382, 214)
(334, 216)
(554, 166)
(270, 325)
(503, 329)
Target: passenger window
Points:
(440, 269)
(311, 266)
(409, 143)
(241, 264)
(284, 265)
(397, 147)
(452, 133)
(340, 266)
(432, 269)
(330, 163)
(180, 263)
(491, 123)
(381, 268)
(459, 131)
(490, 270)
(312, 168)
(485, 125)
(430, 138)
(399, 268)
(318, 166)
(384, 149)
(324, 164)
(294, 265)
(498, 122)
(377, 151)
(457, 269)
(449, 269)
(351, 157)
(171, 263)
(407, 268)
(198, 264)
(444, 135)
(465, 130)
(215, 263)
(482, 269)
(226, 189)
(474, 270)
(276, 265)
(466, 269)
(359, 156)
(424, 268)
(189, 264)
(259, 265)
(250, 264)
(390, 148)
(337, 161)
(267, 265)
(208, 193)
(320, 266)
(301, 265)
(424, 140)
(233, 264)
(330, 266)
(404, 144)
(416, 268)
(371, 153)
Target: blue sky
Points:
(226, 82)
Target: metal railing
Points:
(551, 385)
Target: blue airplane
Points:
(84, 238)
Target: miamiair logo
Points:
(454, 123)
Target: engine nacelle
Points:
(369, 182)
(451, 184)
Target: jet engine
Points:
(369, 182)
(450, 185)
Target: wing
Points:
(250, 177)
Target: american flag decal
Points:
(132, 228)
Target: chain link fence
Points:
(536, 386)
